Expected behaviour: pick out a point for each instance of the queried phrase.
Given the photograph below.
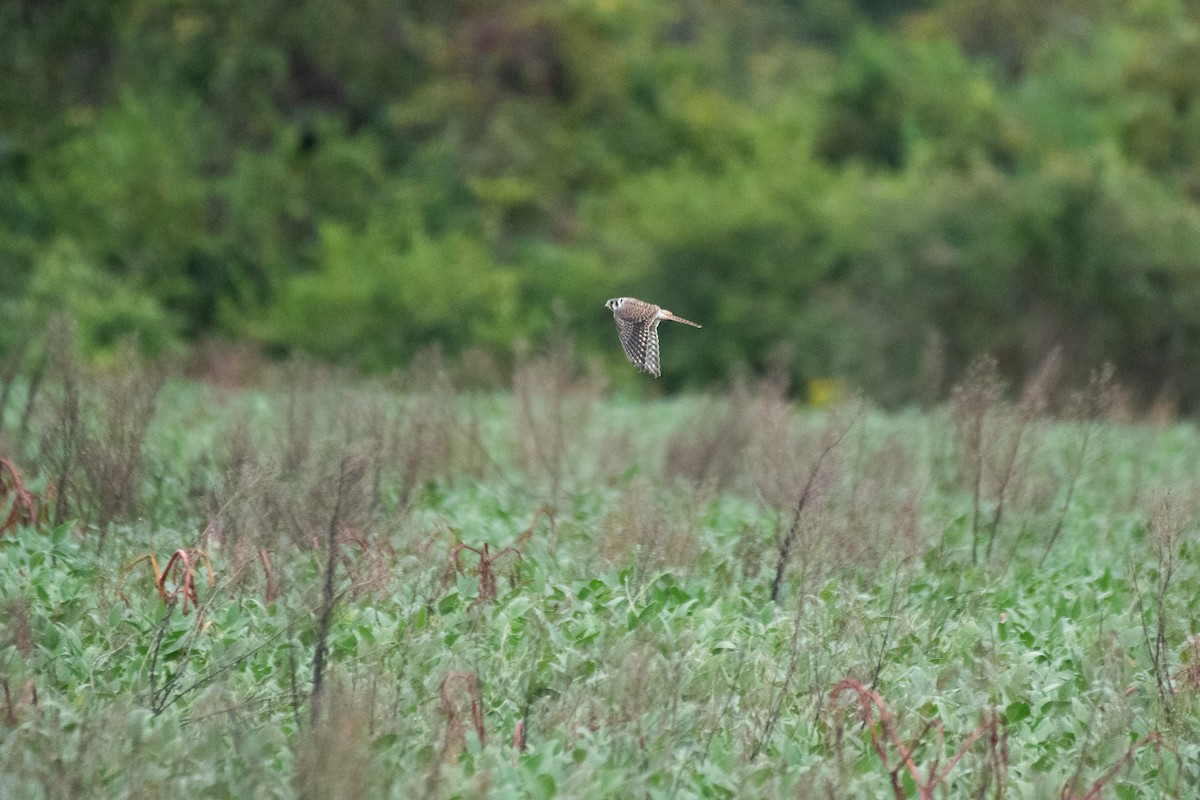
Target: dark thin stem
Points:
(1009, 466)
(977, 491)
(69, 432)
(776, 709)
(887, 634)
(159, 695)
(789, 539)
(327, 602)
(1072, 480)
(1154, 649)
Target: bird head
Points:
(614, 303)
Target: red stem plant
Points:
(25, 508)
(183, 561)
(373, 568)
(487, 559)
(269, 589)
(487, 575)
(519, 737)
(884, 736)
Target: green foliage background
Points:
(822, 183)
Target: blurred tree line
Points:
(838, 187)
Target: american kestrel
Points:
(637, 325)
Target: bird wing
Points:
(650, 361)
(639, 339)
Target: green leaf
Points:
(384, 742)
(1015, 712)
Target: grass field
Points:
(421, 591)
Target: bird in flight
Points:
(637, 325)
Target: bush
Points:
(381, 294)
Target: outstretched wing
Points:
(650, 361)
(640, 342)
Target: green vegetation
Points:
(420, 591)
(458, 566)
(831, 185)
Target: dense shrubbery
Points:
(829, 183)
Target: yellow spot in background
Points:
(826, 392)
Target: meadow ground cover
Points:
(328, 587)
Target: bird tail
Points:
(670, 316)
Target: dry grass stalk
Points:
(112, 458)
(1091, 407)
(552, 406)
(653, 526)
(776, 466)
(373, 569)
(811, 493)
(972, 406)
(244, 563)
(783, 691)
(225, 364)
(466, 707)
(275, 493)
(992, 442)
(14, 709)
(64, 438)
(19, 625)
(879, 522)
(527, 534)
(167, 688)
(253, 501)
(350, 473)
(1034, 399)
(1169, 520)
(430, 434)
(710, 448)
(863, 508)
(296, 432)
